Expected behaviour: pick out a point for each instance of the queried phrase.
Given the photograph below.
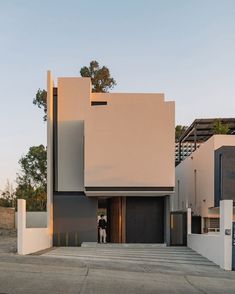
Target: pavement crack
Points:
(194, 286)
(84, 282)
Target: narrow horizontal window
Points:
(97, 103)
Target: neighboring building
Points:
(198, 133)
(113, 153)
(204, 178)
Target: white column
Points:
(226, 219)
(50, 154)
(21, 225)
(189, 221)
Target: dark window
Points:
(97, 103)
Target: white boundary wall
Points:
(216, 247)
(208, 245)
(30, 240)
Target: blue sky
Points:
(183, 48)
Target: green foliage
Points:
(41, 101)
(179, 130)
(7, 196)
(32, 182)
(101, 79)
(220, 128)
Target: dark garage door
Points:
(144, 220)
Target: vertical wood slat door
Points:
(117, 219)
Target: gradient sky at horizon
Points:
(183, 48)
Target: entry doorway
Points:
(133, 219)
(113, 209)
(103, 210)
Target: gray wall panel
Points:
(224, 174)
(74, 213)
(71, 156)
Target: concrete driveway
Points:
(147, 269)
(105, 269)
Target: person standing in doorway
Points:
(102, 229)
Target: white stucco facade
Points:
(195, 178)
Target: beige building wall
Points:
(128, 142)
(73, 103)
(195, 177)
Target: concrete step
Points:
(122, 245)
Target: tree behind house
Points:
(101, 81)
(179, 130)
(32, 181)
(7, 196)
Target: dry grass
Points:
(8, 241)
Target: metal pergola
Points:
(202, 129)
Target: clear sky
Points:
(183, 48)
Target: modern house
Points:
(115, 154)
(207, 175)
(109, 152)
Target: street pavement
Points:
(106, 269)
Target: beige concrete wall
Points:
(73, 102)
(7, 218)
(129, 142)
(195, 177)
